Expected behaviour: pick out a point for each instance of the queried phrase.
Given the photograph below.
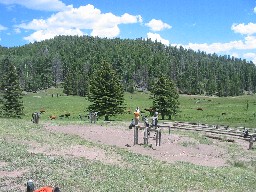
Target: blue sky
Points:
(225, 27)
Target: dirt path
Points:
(173, 147)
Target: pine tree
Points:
(12, 105)
(165, 97)
(69, 84)
(106, 92)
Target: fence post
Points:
(156, 136)
(146, 136)
(251, 142)
(135, 135)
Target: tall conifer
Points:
(165, 97)
(12, 105)
(106, 92)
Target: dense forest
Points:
(69, 61)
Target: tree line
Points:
(106, 93)
(69, 61)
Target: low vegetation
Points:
(237, 111)
(135, 172)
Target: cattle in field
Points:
(67, 115)
(199, 109)
(53, 117)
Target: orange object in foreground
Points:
(137, 114)
(44, 189)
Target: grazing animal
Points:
(67, 115)
(53, 117)
(223, 113)
(199, 109)
(42, 111)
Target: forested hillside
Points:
(70, 60)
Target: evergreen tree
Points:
(69, 84)
(12, 105)
(165, 97)
(106, 92)
(1, 88)
(137, 62)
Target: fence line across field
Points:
(240, 132)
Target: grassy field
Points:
(136, 172)
(77, 174)
(233, 111)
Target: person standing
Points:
(137, 116)
(155, 119)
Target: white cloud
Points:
(157, 37)
(48, 34)
(241, 28)
(44, 5)
(250, 56)
(3, 27)
(17, 30)
(35, 24)
(254, 9)
(83, 18)
(211, 48)
(236, 55)
(109, 32)
(248, 43)
(127, 18)
(158, 25)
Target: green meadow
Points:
(136, 172)
(233, 111)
